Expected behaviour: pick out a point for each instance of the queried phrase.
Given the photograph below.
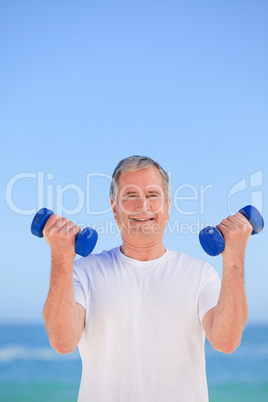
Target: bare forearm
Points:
(231, 313)
(225, 323)
(61, 314)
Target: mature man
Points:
(140, 312)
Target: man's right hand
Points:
(64, 318)
(60, 235)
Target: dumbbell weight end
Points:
(85, 241)
(39, 221)
(212, 240)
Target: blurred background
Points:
(85, 84)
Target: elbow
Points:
(61, 348)
(57, 338)
(226, 347)
(61, 345)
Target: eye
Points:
(153, 196)
(131, 197)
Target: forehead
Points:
(142, 178)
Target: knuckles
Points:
(60, 235)
(234, 227)
(60, 229)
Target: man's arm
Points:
(224, 323)
(64, 318)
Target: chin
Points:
(147, 229)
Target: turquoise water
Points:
(242, 375)
(30, 370)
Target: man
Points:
(139, 313)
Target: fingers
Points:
(57, 226)
(235, 222)
(236, 231)
(60, 235)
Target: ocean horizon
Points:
(30, 370)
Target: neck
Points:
(143, 251)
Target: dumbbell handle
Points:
(212, 240)
(85, 241)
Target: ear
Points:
(169, 203)
(113, 204)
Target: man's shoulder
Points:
(104, 257)
(185, 258)
(190, 264)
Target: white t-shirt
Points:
(143, 339)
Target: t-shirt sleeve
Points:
(209, 292)
(80, 293)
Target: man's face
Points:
(141, 208)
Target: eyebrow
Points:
(133, 192)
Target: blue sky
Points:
(85, 84)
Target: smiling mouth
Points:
(142, 219)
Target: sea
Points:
(31, 371)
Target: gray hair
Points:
(132, 164)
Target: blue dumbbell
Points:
(85, 241)
(212, 240)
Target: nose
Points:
(143, 204)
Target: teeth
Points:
(142, 220)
